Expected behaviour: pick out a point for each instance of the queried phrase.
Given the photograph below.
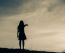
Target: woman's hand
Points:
(26, 24)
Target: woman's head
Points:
(21, 22)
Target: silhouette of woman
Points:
(21, 33)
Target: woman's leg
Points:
(20, 44)
(23, 43)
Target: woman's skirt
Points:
(22, 36)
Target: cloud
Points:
(9, 3)
(12, 7)
(9, 7)
(63, 1)
(56, 4)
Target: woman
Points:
(21, 33)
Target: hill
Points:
(6, 50)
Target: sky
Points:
(45, 19)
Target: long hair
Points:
(21, 23)
(21, 26)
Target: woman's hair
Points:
(21, 22)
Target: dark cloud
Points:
(10, 3)
(63, 1)
(14, 7)
(56, 4)
(10, 7)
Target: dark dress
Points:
(22, 35)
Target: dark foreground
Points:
(6, 50)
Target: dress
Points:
(22, 36)
(21, 31)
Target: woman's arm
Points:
(17, 33)
(26, 25)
